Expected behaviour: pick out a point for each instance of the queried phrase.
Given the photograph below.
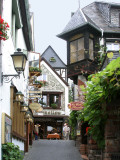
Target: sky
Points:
(50, 18)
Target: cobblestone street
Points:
(53, 150)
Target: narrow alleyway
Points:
(53, 150)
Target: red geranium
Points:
(87, 128)
(3, 29)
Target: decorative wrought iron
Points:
(8, 78)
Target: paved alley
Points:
(53, 150)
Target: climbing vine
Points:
(73, 122)
(101, 89)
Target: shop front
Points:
(50, 125)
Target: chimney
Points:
(72, 13)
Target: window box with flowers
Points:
(39, 84)
(4, 27)
(35, 71)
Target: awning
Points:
(76, 106)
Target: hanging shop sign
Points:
(35, 106)
(75, 106)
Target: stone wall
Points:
(112, 131)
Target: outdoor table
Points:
(53, 136)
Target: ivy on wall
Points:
(102, 88)
(73, 122)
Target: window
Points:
(42, 77)
(77, 50)
(91, 56)
(52, 59)
(52, 100)
(119, 19)
(113, 46)
(44, 99)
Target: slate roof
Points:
(48, 53)
(96, 15)
(43, 59)
(76, 20)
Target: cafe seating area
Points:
(53, 136)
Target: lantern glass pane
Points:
(19, 98)
(24, 109)
(17, 60)
(24, 63)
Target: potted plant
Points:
(4, 27)
(35, 69)
(54, 105)
(42, 83)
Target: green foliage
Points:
(70, 96)
(35, 69)
(101, 55)
(73, 122)
(42, 83)
(11, 152)
(102, 88)
(54, 105)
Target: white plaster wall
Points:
(67, 110)
(19, 143)
(7, 48)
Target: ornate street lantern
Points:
(19, 97)
(24, 107)
(19, 61)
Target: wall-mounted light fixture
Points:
(19, 97)
(19, 61)
(27, 115)
(24, 107)
(30, 119)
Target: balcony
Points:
(85, 67)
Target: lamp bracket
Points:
(9, 77)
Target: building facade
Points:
(16, 14)
(93, 40)
(53, 95)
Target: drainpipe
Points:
(102, 34)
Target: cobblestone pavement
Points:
(53, 150)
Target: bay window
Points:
(77, 50)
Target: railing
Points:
(84, 66)
(115, 156)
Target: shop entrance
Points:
(49, 126)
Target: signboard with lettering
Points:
(75, 106)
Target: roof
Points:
(24, 7)
(76, 20)
(43, 59)
(96, 15)
(48, 53)
(99, 14)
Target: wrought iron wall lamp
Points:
(19, 61)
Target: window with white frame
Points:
(112, 46)
(42, 77)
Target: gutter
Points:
(87, 23)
